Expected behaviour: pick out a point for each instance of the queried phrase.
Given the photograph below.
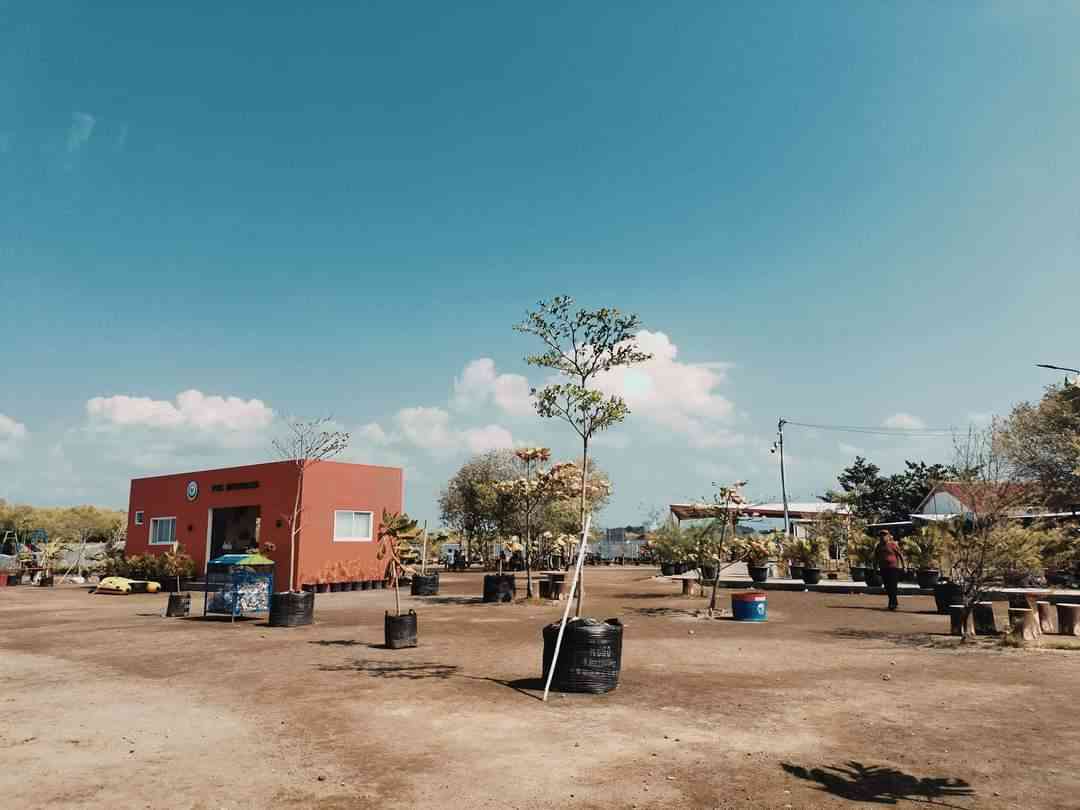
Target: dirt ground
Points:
(832, 703)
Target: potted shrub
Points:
(791, 554)
(50, 556)
(860, 556)
(756, 551)
(175, 567)
(921, 551)
(809, 551)
(400, 630)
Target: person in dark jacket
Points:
(890, 561)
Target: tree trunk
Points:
(584, 539)
(397, 592)
(962, 621)
(716, 579)
(295, 527)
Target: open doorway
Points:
(233, 530)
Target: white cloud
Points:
(849, 449)
(193, 409)
(82, 127)
(430, 429)
(480, 383)
(904, 421)
(681, 397)
(372, 432)
(12, 436)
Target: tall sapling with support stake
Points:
(582, 345)
(306, 444)
(395, 530)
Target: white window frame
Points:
(140, 517)
(333, 526)
(150, 540)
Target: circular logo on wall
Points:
(192, 490)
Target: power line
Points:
(917, 433)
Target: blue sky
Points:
(841, 213)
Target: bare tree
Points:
(307, 443)
(582, 346)
(980, 546)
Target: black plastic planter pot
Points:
(947, 593)
(858, 573)
(708, 573)
(927, 577)
(291, 609)
(667, 569)
(758, 573)
(810, 575)
(590, 657)
(45, 582)
(400, 630)
(425, 584)
(795, 571)
(873, 578)
(14, 579)
(179, 605)
(499, 587)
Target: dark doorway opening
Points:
(234, 530)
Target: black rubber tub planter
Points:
(499, 587)
(590, 657)
(858, 573)
(927, 577)
(758, 573)
(873, 578)
(425, 584)
(400, 631)
(179, 605)
(947, 593)
(811, 575)
(291, 609)
(795, 570)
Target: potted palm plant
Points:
(176, 566)
(756, 551)
(860, 550)
(400, 630)
(791, 554)
(51, 555)
(921, 551)
(809, 551)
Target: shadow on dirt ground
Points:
(385, 669)
(899, 639)
(855, 781)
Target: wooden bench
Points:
(1024, 624)
(1068, 616)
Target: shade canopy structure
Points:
(796, 511)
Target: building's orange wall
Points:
(334, 485)
(165, 496)
(328, 486)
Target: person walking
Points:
(890, 560)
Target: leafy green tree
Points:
(582, 345)
(1042, 443)
(874, 497)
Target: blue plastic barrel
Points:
(749, 606)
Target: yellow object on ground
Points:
(123, 585)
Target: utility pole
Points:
(779, 445)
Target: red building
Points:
(214, 512)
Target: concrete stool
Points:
(957, 625)
(984, 619)
(1048, 622)
(1023, 624)
(691, 587)
(1068, 619)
